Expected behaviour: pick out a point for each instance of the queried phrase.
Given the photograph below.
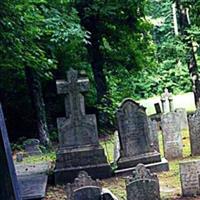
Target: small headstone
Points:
(183, 118)
(143, 185)
(32, 147)
(172, 137)
(157, 108)
(167, 101)
(134, 136)
(19, 157)
(194, 129)
(84, 188)
(9, 187)
(79, 147)
(153, 133)
(190, 177)
(116, 147)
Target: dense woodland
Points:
(127, 48)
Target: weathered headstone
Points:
(153, 134)
(32, 147)
(194, 129)
(9, 188)
(190, 177)
(79, 148)
(172, 137)
(157, 108)
(116, 147)
(183, 118)
(134, 136)
(143, 185)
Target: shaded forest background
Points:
(127, 48)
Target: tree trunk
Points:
(184, 23)
(35, 90)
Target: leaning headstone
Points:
(79, 147)
(189, 175)
(157, 108)
(134, 136)
(172, 137)
(153, 133)
(32, 147)
(194, 130)
(143, 185)
(183, 118)
(9, 188)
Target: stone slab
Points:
(153, 167)
(65, 175)
(33, 186)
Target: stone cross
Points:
(167, 100)
(9, 187)
(74, 101)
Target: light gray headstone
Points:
(194, 129)
(153, 134)
(172, 137)
(116, 147)
(183, 118)
(190, 175)
(143, 185)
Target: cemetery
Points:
(99, 100)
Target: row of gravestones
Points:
(79, 146)
(142, 185)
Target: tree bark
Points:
(184, 23)
(35, 90)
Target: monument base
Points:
(146, 158)
(161, 166)
(89, 158)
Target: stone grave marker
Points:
(79, 148)
(134, 136)
(157, 108)
(116, 153)
(194, 129)
(167, 101)
(143, 185)
(32, 147)
(172, 137)
(190, 176)
(9, 187)
(153, 133)
(183, 118)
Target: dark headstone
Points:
(194, 127)
(134, 136)
(9, 188)
(79, 148)
(172, 137)
(32, 147)
(157, 108)
(143, 185)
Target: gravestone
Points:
(134, 136)
(79, 148)
(190, 177)
(183, 118)
(172, 137)
(194, 130)
(153, 134)
(157, 108)
(9, 188)
(84, 188)
(32, 147)
(116, 153)
(143, 185)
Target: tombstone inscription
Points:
(79, 148)
(134, 136)
(9, 188)
(143, 185)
